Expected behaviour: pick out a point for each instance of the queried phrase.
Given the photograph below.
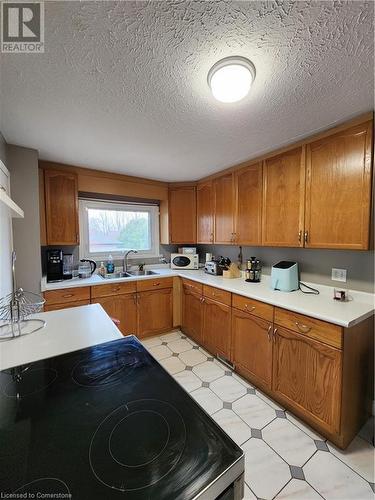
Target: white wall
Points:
(23, 166)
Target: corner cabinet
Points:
(283, 199)
(338, 190)
(61, 207)
(182, 215)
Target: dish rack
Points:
(15, 309)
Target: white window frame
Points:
(84, 205)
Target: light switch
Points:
(338, 275)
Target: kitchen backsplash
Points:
(314, 265)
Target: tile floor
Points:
(284, 458)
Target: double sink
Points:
(127, 274)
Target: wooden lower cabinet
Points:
(192, 315)
(123, 308)
(252, 347)
(307, 375)
(155, 312)
(217, 327)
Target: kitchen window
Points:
(108, 228)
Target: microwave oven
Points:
(184, 261)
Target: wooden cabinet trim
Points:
(65, 305)
(192, 286)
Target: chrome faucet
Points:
(125, 264)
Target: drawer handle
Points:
(247, 308)
(269, 333)
(274, 335)
(156, 284)
(67, 295)
(116, 289)
(302, 328)
(202, 299)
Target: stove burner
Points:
(26, 382)
(103, 368)
(44, 485)
(137, 445)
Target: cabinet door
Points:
(252, 347)
(192, 315)
(182, 215)
(284, 199)
(307, 376)
(205, 209)
(248, 190)
(61, 197)
(224, 209)
(338, 190)
(217, 327)
(123, 308)
(155, 312)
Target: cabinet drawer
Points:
(255, 307)
(217, 294)
(154, 284)
(314, 328)
(55, 307)
(67, 295)
(113, 289)
(192, 286)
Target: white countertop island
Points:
(66, 330)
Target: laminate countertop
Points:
(65, 331)
(322, 306)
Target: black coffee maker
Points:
(54, 265)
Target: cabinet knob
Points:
(299, 236)
(274, 335)
(306, 236)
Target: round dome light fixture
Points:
(230, 78)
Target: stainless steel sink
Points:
(129, 274)
(141, 273)
(113, 276)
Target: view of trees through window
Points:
(118, 230)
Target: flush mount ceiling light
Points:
(230, 78)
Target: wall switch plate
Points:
(338, 275)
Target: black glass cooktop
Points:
(106, 422)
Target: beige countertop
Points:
(322, 306)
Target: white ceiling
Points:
(122, 85)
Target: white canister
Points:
(208, 257)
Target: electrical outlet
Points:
(338, 275)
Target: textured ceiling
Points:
(122, 85)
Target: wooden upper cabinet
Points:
(248, 205)
(338, 189)
(224, 209)
(182, 214)
(283, 199)
(205, 209)
(61, 199)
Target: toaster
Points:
(213, 267)
(284, 276)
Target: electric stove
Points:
(109, 422)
